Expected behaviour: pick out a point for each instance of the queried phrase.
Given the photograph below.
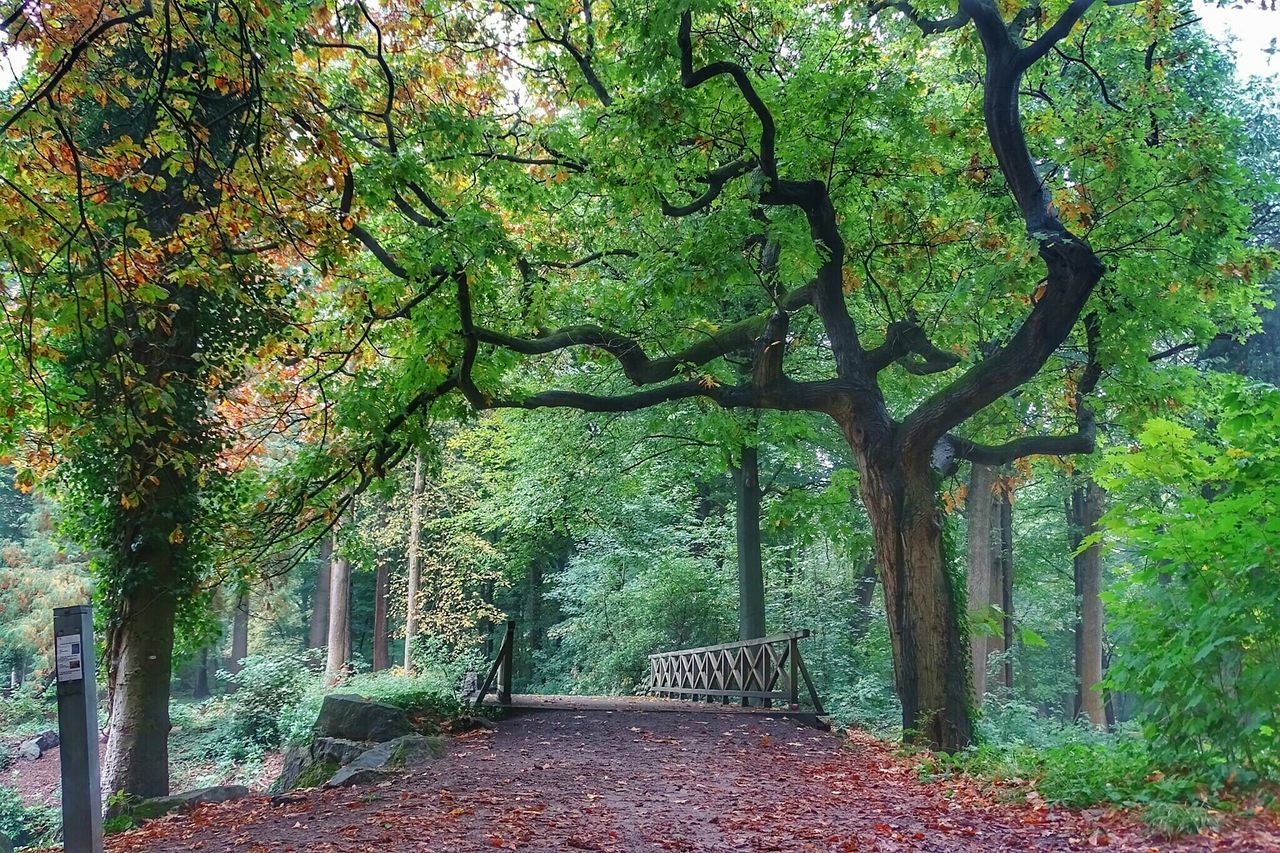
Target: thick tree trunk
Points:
(339, 650)
(981, 569)
(1086, 510)
(746, 480)
(319, 629)
(381, 636)
(139, 665)
(1006, 582)
(239, 638)
(930, 655)
(415, 545)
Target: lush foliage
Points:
(1199, 527)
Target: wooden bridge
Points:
(763, 675)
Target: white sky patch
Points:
(1249, 30)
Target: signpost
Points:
(78, 729)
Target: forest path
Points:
(637, 781)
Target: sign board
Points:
(70, 658)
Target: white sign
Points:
(70, 667)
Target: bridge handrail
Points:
(748, 669)
(737, 644)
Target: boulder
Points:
(355, 718)
(30, 750)
(336, 750)
(47, 740)
(309, 766)
(385, 759)
(157, 806)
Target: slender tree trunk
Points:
(339, 650)
(931, 657)
(201, 688)
(381, 583)
(415, 545)
(1086, 510)
(1006, 582)
(140, 659)
(746, 478)
(319, 629)
(864, 589)
(982, 567)
(239, 638)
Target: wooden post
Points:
(504, 675)
(793, 676)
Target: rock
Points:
(385, 759)
(157, 806)
(337, 750)
(47, 740)
(5, 845)
(296, 761)
(348, 776)
(355, 718)
(30, 750)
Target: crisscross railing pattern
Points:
(765, 670)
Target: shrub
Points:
(270, 692)
(26, 825)
(28, 709)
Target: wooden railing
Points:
(501, 669)
(765, 670)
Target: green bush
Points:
(25, 825)
(28, 709)
(271, 692)
(1198, 513)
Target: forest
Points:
(340, 333)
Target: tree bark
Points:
(1006, 582)
(929, 650)
(982, 567)
(415, 545)
(746, 479)
(1085, 511)
(317, 638)
(239, 638)
(381, 636)
(201, 688)
(140, 661)
(339, 649)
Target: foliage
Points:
(1197, 527)
(29, 708)
(27, 826)
(271, 692)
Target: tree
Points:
(766, 171)
(136, 154)
(1084, 511)
(415, 561)
(338, 654)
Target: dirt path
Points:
(647, 781)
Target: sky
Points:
(1250, 29)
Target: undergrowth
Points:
(1077, 766)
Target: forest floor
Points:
(633, 781)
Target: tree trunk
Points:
(1086, 510)
(930, 655)
(239, 638)
(1006, 582)
(381, 636)
(319, 633)
(201, 688)
(746, 479)
(139, 666)
(339, 651)
(415, 535)
(864, 589)
(982, 568)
